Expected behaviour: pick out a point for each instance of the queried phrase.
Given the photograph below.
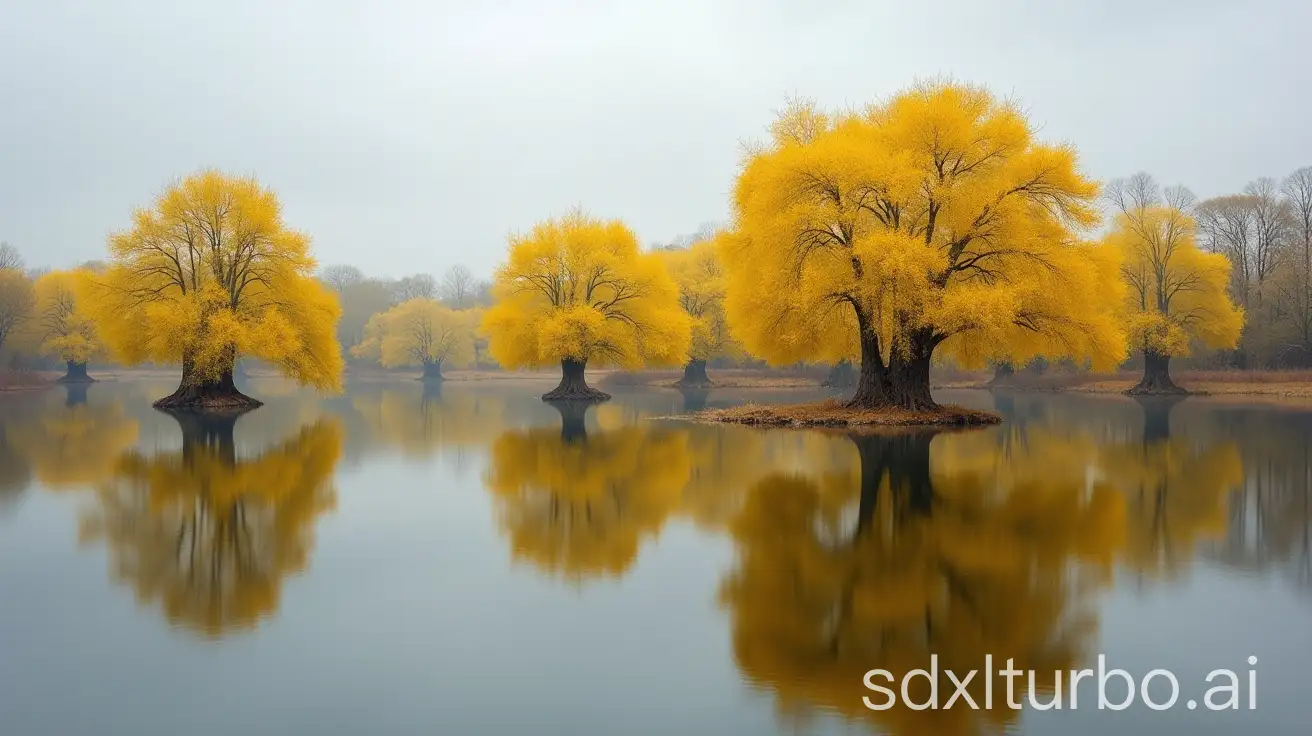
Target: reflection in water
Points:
(579, 504)
(1269, 521)
(207, 535)
(74, 444)
(851, 552)
(1176, 490)
(424, 420)
(839, 573)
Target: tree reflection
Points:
(579, 504)
(423, 422)
(1176, 489)
(207, 535)
(76, 443)
(842, 572)
(1269, 519)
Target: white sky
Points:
(409, 136)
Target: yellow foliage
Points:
(701, 279)
(210, 273)
(1175, 292)
(419, 332)
(62, 326)
(578, 288)
(581, 508)
(16, 301)
(932, 218)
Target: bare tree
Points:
(419, 286)
(10, 257)
(1297, 292)
(458, 287)
(341, 277)
(1225, 225)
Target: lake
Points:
(470, 560)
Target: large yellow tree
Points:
(1176, 292)
(701, 279)
(933, 221)
(420, 332)
(577, 290)
(210, 272)
(63, 327)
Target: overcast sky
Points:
(409, 136)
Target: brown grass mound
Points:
(833, 414)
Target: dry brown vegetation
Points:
(22, 380)
(834, 414)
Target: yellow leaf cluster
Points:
(579, 288)
(210, 273)
(935, 213)
(420, 332)
(62, 325)
(701, 279)
(1175, 292)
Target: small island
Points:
(836, 414)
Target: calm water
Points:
(476, 562)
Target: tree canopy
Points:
(210, 272)
(701, 279)
(420, 332)
(17, 299)
(577, 288)
(63, 325)
(934, 218)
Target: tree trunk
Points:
(432, 373)
(1156, 376)
(1003, 375)
(573, 420)
(903, 383)
(694, 375)
(572, 386)
(201, 394)
(75, 373)
(908, 377)
(841, 375)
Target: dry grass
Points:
(834, 414)
(24, 380)
(1231, 383)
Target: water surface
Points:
(472, 561)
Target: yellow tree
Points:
(207, 536)
(933, 220)
(210, 272)
(16, 301)
(62, 326)
(701, 279)
(1176, 292)
(419, 332)
(576, 290)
